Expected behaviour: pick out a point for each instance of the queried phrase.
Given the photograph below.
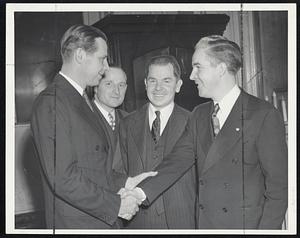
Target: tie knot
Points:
(84, 94)
(216, 109)
(110, 116)
(157, 113)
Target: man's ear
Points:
(145, 81)
(178, 85)
(222, 69)
(79, 55)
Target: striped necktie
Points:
(156, 127)
(215, 120)
(112, 121)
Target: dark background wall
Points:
(37, 58)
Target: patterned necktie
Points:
(87, 100)
(215, 120)
(156, 127)
(112, 121)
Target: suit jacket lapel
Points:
(101, 119)
(176, 125)
(204, 134)
(137, 128)
(205, 129)
(79, 103)
(230, 134)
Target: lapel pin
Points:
(237, 129)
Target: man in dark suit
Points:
(74, 150)
(146, 137)
(109, 95)
(242, 182)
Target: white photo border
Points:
(53, 7)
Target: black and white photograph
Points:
(151, 118)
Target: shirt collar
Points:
(229, 99)
(78, 88)
(164, 112)
(103, 111)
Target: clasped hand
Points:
(131, 196)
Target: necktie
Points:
(112, 121)
(87, 100)
(215, 120)
(156, 127)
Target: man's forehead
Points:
(101, 45)
(115, 74)
(199, 56)
(167, 65)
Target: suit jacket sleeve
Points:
(119, 173)
(272, 151)
(122, 164)
(51, 130)
(171, 169)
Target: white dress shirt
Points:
(104, 112)
(226, 104)
(78, 88)
(165, 114)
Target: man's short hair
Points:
(164, 60)
(80, 36)
(220, 49)
(116, 67)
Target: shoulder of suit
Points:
(186, 113)
(255, 103)
(134, 114)
(201, 107)
(54, 89)
(122, 113)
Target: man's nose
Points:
(105, 65)
(192, 75)
(157, 85)
(116, 90)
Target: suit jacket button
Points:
(224, 209)
(201, 206)
(97, 147)
(201, 183)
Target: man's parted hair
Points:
(80, 36)
(113, 66)
(164, 60)
(220, 49)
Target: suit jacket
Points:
(179, 195)
(76, 158)
(113, 135)
(243, 176)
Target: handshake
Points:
(132, 196)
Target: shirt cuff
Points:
(141, 193)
